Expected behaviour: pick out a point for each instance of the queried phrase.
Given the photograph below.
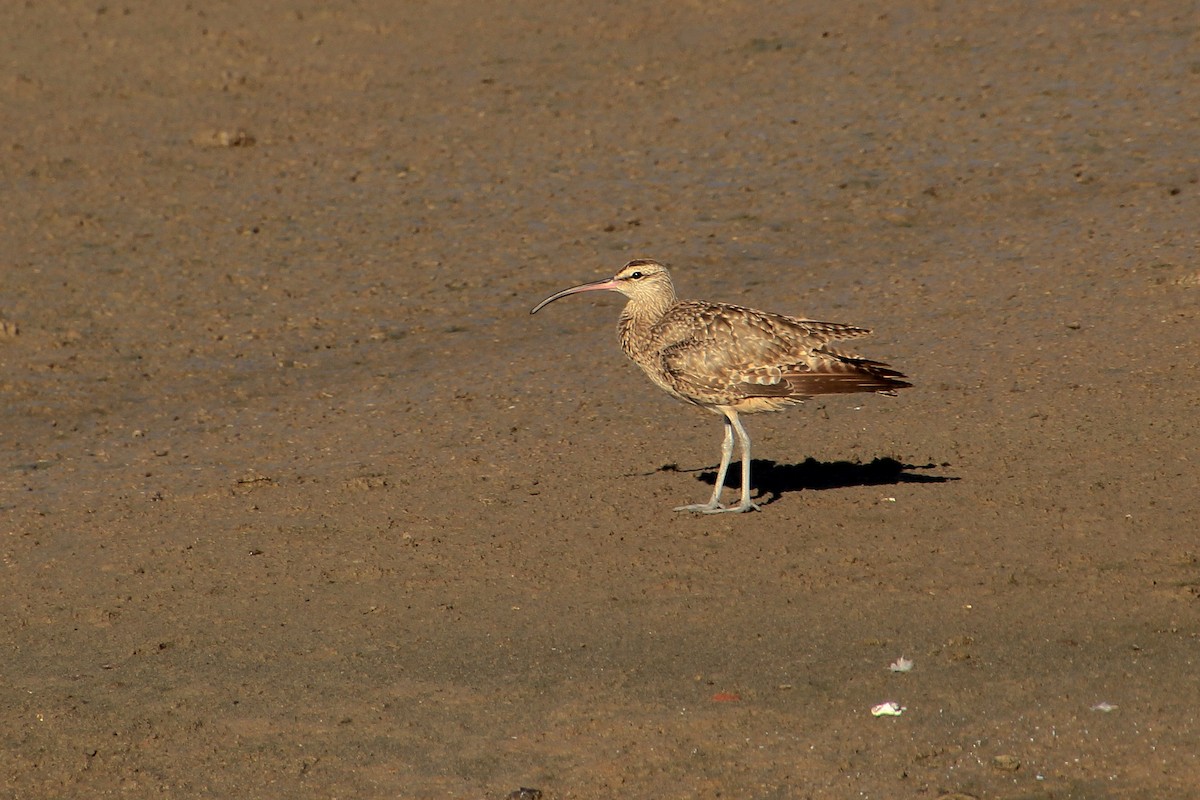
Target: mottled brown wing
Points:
(720, 354)
(711, 317)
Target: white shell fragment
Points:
(1105, 707)
(888, 709)
(901, 664)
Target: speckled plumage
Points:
(733, 360)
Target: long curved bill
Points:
(594, 286)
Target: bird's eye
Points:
(635, 276)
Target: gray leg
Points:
(745, 505)
(744, 438)
(714, 502)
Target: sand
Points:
(297, 500)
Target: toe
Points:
(701, 508)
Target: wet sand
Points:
(298, 501)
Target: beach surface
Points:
(297, 500)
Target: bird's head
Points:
(641, 280)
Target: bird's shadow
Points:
(773, 480)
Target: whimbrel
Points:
(732, 360)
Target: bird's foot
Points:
(702, 508)
(739, 509)
(716, 508)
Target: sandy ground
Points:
(298, 501)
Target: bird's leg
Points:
(745, 505)
(714, 502)
(732, 423)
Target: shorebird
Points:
(732, 360)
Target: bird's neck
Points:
(638, 319)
